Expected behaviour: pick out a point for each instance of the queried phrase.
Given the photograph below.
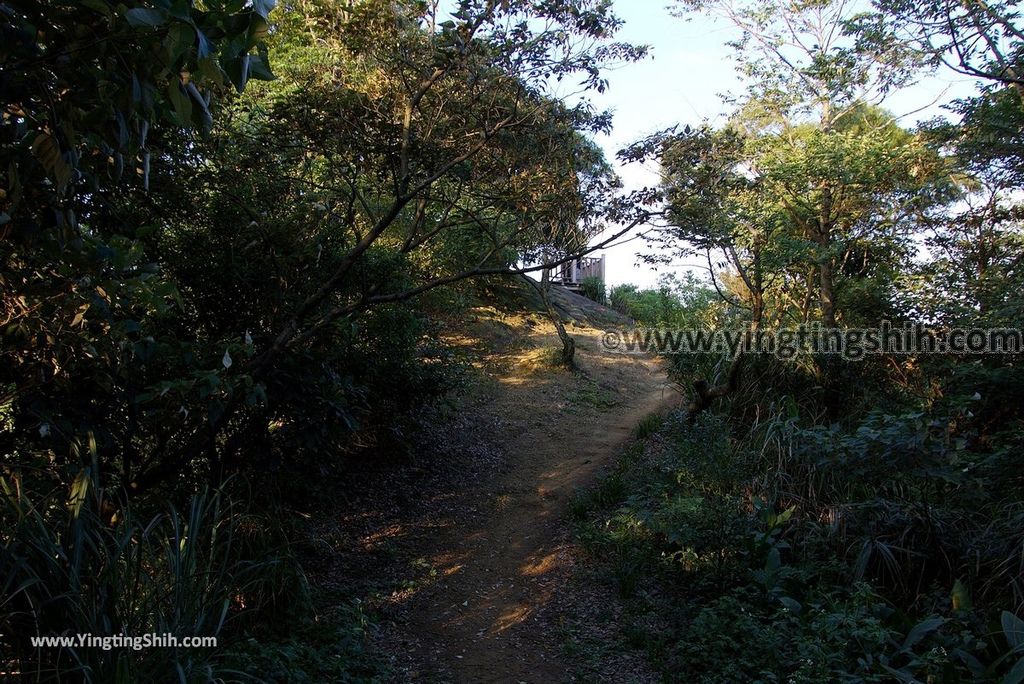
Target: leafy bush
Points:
(686, 303)
(647, 307)
(593, 288)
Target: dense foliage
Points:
(223, 227)
(813, 553)
(838, 519)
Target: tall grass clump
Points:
(89, 565)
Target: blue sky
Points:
(679, 83)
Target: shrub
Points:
(686, 303)
(593, 288)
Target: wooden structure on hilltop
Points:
(571, 274)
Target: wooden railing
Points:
(572, 273)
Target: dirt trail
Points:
(491, 615)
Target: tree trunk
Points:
(826, 291)
(568, 343)
(757, 311)
(757, 295)
(826, 268)
(808, 302)
(704, 395)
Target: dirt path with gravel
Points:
(502, 554)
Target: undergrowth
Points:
(877, 553)
(94, 566)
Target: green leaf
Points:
(921, 630)
(773, 561)
(1016, 674)
(785, 515)
(146, 17)
(205, 47)
(210, 71)
(179, 41)
(96, 6)
(901, 674)
(79, 490)
(961, 597)
(181, 102)
(259, 69)
(238, 71)
(1013, 628)
(258, 31)
(792, 604)
(263, 7)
